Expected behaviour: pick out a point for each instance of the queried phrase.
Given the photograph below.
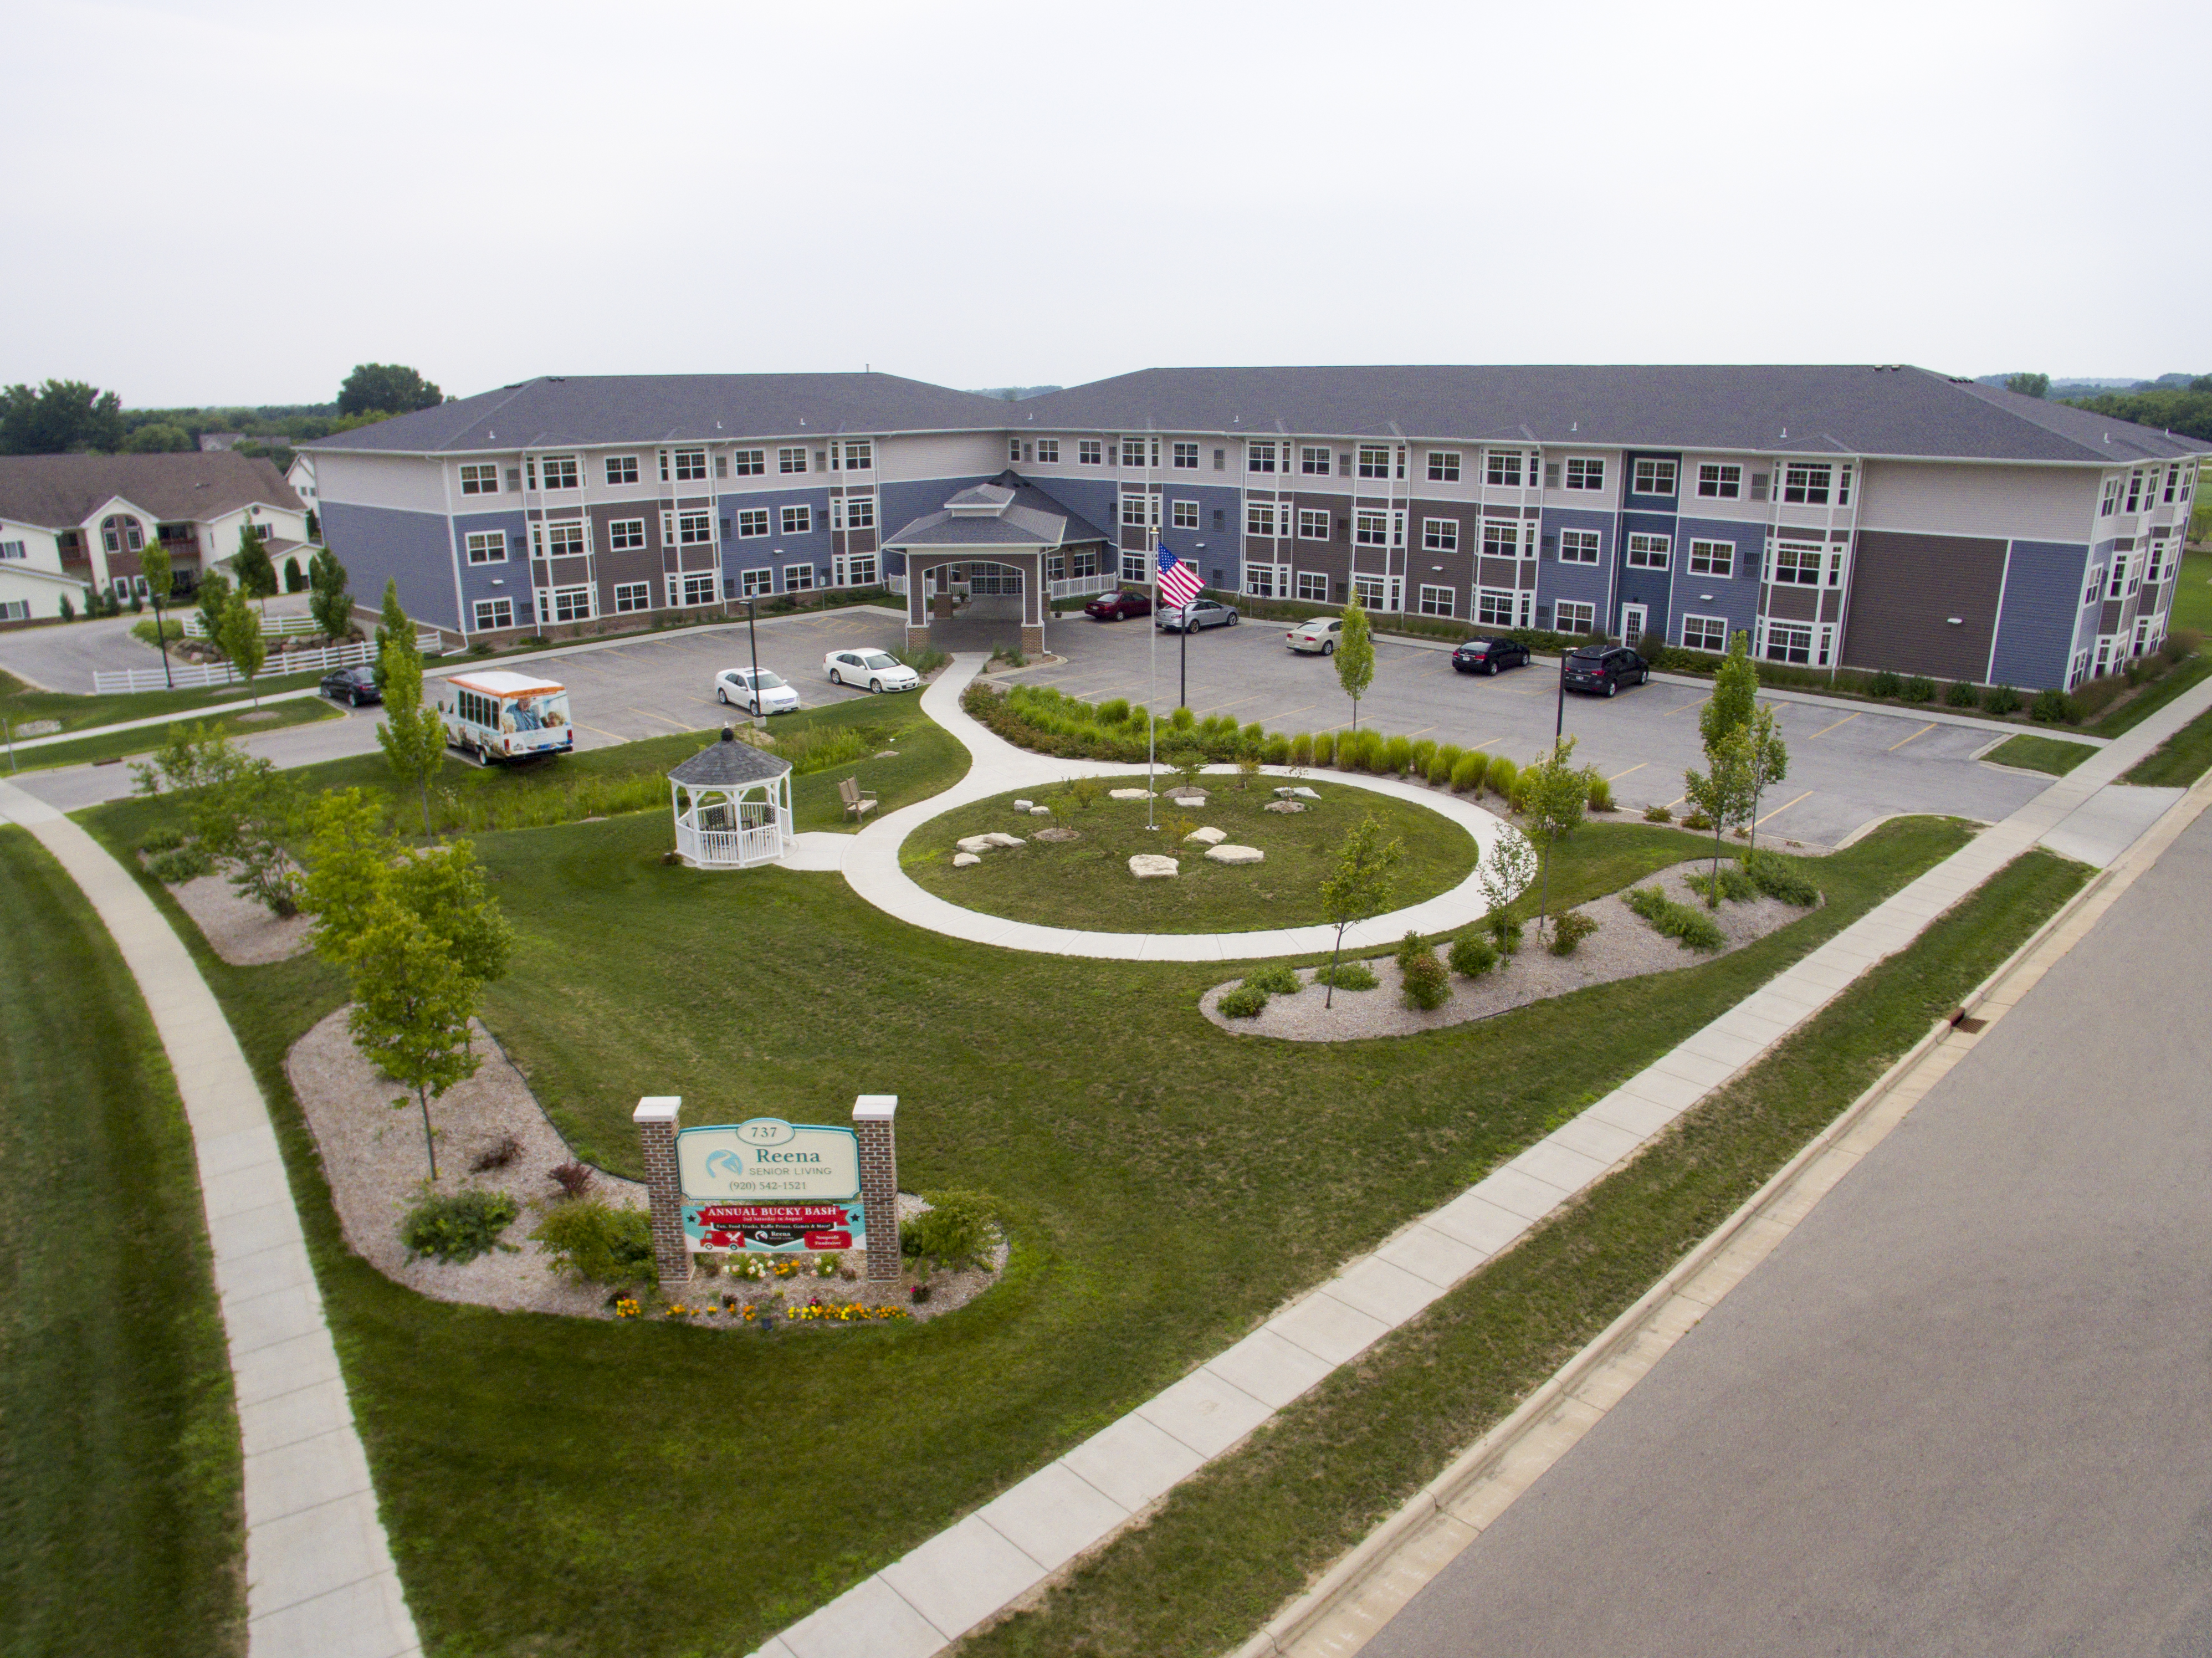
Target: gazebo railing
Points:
(742, 847)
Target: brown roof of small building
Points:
(59, 492)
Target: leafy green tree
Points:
(1504, 875)
(349, 862)
(2029, 385)
(1724, 794)
(1360, 887)
(1355, 655)
(411, 1007)
(1557, 794)
(160, 581)
(329, 600)
(157, 437)
(256, 574)
(59, 418)
(392, 623)
(238, 633)
(1735, 693)
(412, 734)
(238, 808)
(1769, 760)
(212, 599)
(389, 386)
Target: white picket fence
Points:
(272, 627)
(186, 676)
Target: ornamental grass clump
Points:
(1302, 750)
(1500, 778)
(1324, 748)
(1442, 762)
(1397, 755)
(1469, 771)
(1691, 927)
(1734, 881)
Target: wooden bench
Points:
(857, 805)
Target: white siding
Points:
(947, 455)
(2029, 503)
(408, 482)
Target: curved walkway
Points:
(870, 860)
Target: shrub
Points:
(1670, 919)
(1439, 769)
(1736, 885)
(2000, 699)
(1243, 1002)
(1348, 975)
(1410, 948)
(959, 1228)
(2182, 643)
(1397, 756)
(1568, 930)
(1275, 981)
(1374, 752)
(1183, 720)
(1255, 734)
(457, 1226)
(501, 1152)
(573, 1178)
(1918, 688)
(1276, 750)
(1884, 684)
(162, 840)
(597, 1243)
(1466, 772)
(1114, 712)
(1500, 778)
(1601, 793)
(1504, 931)
(1473, 956)
(1695, 820)
(1658, 814)
(1427, 986)
(1424, 756)
(175, 867)
(2052, 707)
(1324, 748)
(2094, 698)
(1653, 647)
(1302, 750)
(1783, 878)
(1961, 694)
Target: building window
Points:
(1842, 488)
(633, 595)
(1184, 515)
(1313, 463)
(2172, 478)
(1654, 477)
(494, 613)
(487, 546)
(1577, 547)
(797, 520)
(1501, 538)
(1443, 467)
(1312, 523)
(1796, 565)
(1440, 535)
(480, 480)
(2096, 585)
(799, 578)
(1264, 580)
(1712, 558)
(1370, 529)
(1185, 456)
(693, 587)
(748, 463)
(2112, 501)
(1436, 601)
(1502, 468)
(1014, 451)
(625, 533)
(1374, 461)
(1805, 485)
(1090, 452)
(622, 469)
(565, 604)
(560, 471)
(2117, 587)
(1259, 457)
(859, 454)
(1313, 586)
(1571, 616)
(752, 521)
(1789, 642)
(1132, 452)
(16, 549)
(1048, 452)
(860, 512)
(119, 533)
(792, 459)
(1585, 473)
(562, 540)
(1368, 589)
(1493, 607)
(755, 584)
(1720, 481)
(1704, 633)
(1260, 517)
(1136, 566)
(1648, 552)
(2134, 491)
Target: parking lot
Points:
(1849, 764)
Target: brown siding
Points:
(1792, 603)
(1903, 587)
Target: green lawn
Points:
(110, 745)
(1086, 882)
(1242, 1537)
(1166, 1186)
(2180, 759)
(2192, 596)
(2049, 754)
(21, 704)
(120, 1524)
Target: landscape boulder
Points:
(995, 839)
(974, 843)
(964, 859)
(1211, 837)
(1151, 865)
(1128, 795)
(1234, 855)
(1283, 805)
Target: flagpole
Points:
(1152, 674)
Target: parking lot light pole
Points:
(1559, 724)
(752, 604)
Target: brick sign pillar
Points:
(655, 1117)
(872, 1125)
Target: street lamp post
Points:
(752, 604)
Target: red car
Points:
(1120, 606)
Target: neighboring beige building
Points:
(71, 523)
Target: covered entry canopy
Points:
(1005, 522)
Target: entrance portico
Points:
(1005, 541)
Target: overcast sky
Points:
(221, 203)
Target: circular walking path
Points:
(870, 860)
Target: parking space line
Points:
(1220, 706)
(1902, 741)
(647, 713)
(1617, 776)
(1845, 720)
(1699, 703)
(1785, 807)
(603, 731)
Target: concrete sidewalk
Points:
(923, 1603)
(320, 1581)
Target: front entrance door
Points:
(1632, 622)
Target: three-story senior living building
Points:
(1866, 516)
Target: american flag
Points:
(1179, 585)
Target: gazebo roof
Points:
(728, 764)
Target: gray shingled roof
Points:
(729, 763)
(584, 408)
(58, 491)
(1027, 516)
(1860, 410)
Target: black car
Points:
(1489, 655)
(354, 685)
(1605, 668)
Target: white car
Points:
(879, 671)
(1318, 634)
(756, 690)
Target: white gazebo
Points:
(733, 806)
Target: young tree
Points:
(392, 623)
(257, 575)
(1723, 795)
(239, 808)
(1360, 887)
(329, 600)
(411, 1007)
(213, 598)
(1504, 875)
(1355, 656)
(350, 864)
(238, 633)
(413, 733)
(1558, 794)
(1769, 760)
(1735, 694)
(154, 564)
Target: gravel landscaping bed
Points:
(1625, 946)
(240, 929)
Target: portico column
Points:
(917, 605)
(1033, 605)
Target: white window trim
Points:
(756, 583)
(1499, 601)
(1585, 616)
(750, 516)
(1567, 473)
(1439, 596)
(1725, 551)
(470, 547)
(1596, 548)
(1440, 459)
(477, 613)
(1308, 513)
(618, 546)
(615, 462)
(1719, 621)
(642, 591)
(1727, 487)
(1640, 558)
(1307, 580)
(1673, 470)
(1447, 529)
(804, 526)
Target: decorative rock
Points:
(1183, 797)
(887, 754)
(1151, 865)
(1234, 855)
(974, 843)
(995, 839)
(1128, 795)
(1023, 805)
(1040, 812)
(1282, 805)
(964, 859)
(1059, 834)
(1305, 794)
(1211, 837)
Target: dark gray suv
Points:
(1605, 668)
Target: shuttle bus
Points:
(506, 716)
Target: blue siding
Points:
(381, 543)
(2042, 611)
(1207, 549)
(1628, 492)
(1653, 589)
(902, 502)
(514, 575)
(1734, 597)
(1590, 584)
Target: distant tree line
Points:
(75, 417)
(2186, 410)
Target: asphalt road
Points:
(1965, 1408)
(1846, 768)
